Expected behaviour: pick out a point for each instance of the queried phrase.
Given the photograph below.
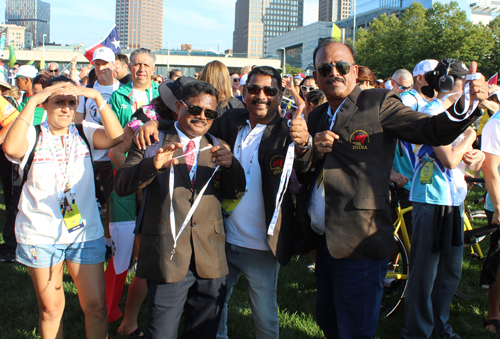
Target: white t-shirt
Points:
(39, 220)
(490, 143)
(140, 98)
(246, 225)
(90, 109)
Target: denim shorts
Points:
(41, 256)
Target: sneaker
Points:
(8, 257)
(451, 335)
(311, 267)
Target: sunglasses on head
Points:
(403, 88)
(326, 69)
(268, 90)
(307, 89)
(194, 110)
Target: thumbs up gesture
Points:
(478, 87)
(298, 127)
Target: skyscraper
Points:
(257, 21)
(140, 23)
(33, 14)
(334, 10)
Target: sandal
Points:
(494, 322)
(136, 334)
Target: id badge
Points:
(72, 217)
(426, 173)
(228, 206)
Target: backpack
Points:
(29, 162)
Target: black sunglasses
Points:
(194, 110)
(326, 69)
(268, 90)
(236, 79)
(53, 70)
(402, 88)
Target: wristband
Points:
(21, 118)
(102, 106)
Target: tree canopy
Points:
(442, 31)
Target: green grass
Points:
(296, 299)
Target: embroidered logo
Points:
(360, 140)
(277, 164)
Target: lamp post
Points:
(168, 56)
(283, 72)
(43, 50)
(354, 26)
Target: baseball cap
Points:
(425, 66)
(497, 93)
(243, 79)
(171, 90)
(104, 53)
(452, 67)
(27, 71)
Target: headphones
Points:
(446, 81)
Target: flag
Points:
(336, 32)
(122, 212)
(3, 38)
(493, 80)
(31, 62)
(112, 40)
(42, 63)
(12, 56)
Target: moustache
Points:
(260, 102)
(331, 80)
(194, 121)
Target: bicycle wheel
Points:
(394, 286)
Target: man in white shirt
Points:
(414, 97)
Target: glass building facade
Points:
(32, 14)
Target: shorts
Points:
(41, 256)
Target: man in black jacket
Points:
(355, 136)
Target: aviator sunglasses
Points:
(401, 87)
(268, 90)
(194, 110)
(342, 67)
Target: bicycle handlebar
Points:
(470, 180)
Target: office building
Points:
(257, 21)
(140, 23)
(334, 10)
(32, 14)
(15, 36)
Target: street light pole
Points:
(354, 27)
(283, 66)
(43, 48)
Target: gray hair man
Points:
(401, 81)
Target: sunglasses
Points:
(403, 88)
(236, 79)
(193, 110)
(268, 90)
(307, 89)
(53, 70)
(326, 69)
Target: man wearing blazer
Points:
(185, 265)
(355, 136)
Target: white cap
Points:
(388, 84)
(27, 71)
(243, 79)
(104, 53)
(497, 93)
(425, 66)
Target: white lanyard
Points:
(242, 141)
(132, 101)
(464, 115)
(193, 207)
(285, 178)
(63, 176)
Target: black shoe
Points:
(8, 257)
(451, 335)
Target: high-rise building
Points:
(15, 35)
(32, 14)
(257, 21)
(334, 10)
(140, 23)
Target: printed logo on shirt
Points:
(216, 180)
(125, 106)
(360, 140)
(277, 164)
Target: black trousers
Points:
(11, 183)
(201, 300)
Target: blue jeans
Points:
(261, 271)
(433, 278)
(349, 293)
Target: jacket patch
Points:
(360, 140)
(277, 164)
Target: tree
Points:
(293, 70)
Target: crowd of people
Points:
(212, 162)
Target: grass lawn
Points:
(296, 299)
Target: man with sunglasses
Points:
(184, 264)
(53, 69)
(402, 81)
(354, 140)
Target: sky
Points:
(205, 24)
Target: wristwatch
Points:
(307, 146)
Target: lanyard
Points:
(133, 102)
(245, 141)
(63, 177)
(193, 207)
(464, 115)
